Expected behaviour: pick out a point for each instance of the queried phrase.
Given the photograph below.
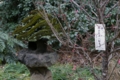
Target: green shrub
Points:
(66, 72)
(14, 72)
(59, 72)
(12, 11)
(8, 46)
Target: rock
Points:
(41, 74)
(32, 59)
(37, 59)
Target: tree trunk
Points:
(105, 66)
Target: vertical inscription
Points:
(100, 37)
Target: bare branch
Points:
(113, 68)
(115, 5)
(51, 26)
(111, 57)
(65, 32)
(117, 32)
(89, 61)
(84, 11)
(95, 4)
(116, 50)
(93, 11)
(91, 64)
(117, 21)
(104, 5)
(45, 16)
(100, 10)
(116, 36)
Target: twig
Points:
(112, 57)
(84, 11)
(112, 8)
(115, 50)
(105, 2)
(65, 32)
(99, 11)
(52, 28)
(117, 20)
(117, 32)
(95, 4)
(89, 60)
(113, 68)
(65, 20)
(45, 16)
(93, 11)
(91, 64)
(116, 36)
(97, 56)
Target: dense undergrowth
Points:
(59, 72)
(14, 72)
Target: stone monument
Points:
(38, 59)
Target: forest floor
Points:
(70, 66)
(59, 72)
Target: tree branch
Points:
(104, 3)
(116, 50)
(65, 34)
(95, 3)
(51, 26)
(91, 64)
(113, 68)
(89, 61)
(84, 11)
(99, 10)
(115, 5)
(93, 11)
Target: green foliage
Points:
(75, 17)
(59, 72)
(78, 21)
(8, 47)
(11, 12)
(66, 72)
(34, 27)
(14, 72)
